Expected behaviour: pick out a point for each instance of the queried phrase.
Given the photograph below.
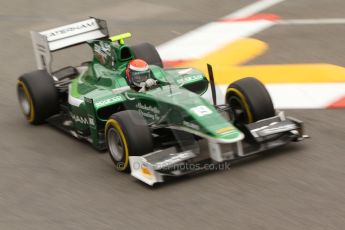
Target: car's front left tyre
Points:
(127, 134)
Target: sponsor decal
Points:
(148, 111)
(175, 159)
(150, 108)
(88, 100)
(80, 26)
(189, 79)
(201, 110)
(273, 130)
(185, 71)
(103, 47)
(102, 51)
(148, 115)
(108, 101)
(91, 121)
(174, 94)
(146, 171)
(225, 130)
(80, 119)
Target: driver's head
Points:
(137, 71)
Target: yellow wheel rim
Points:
(113, 123)
(26, 102)
(244, 102)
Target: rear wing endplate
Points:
(48, 41)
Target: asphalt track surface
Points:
(49, 180)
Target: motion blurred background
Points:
(50, 180)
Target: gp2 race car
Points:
(167, 131)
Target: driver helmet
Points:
(137, 72)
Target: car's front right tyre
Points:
(249, 100)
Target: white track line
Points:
(305, 95)
(212, 36)
(208, 38)
(321, 21)
(295, 95)
(254, 8)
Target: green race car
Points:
(167, 130)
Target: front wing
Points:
(158, 166)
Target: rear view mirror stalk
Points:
(212, 84)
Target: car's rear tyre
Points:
(249, 100)
(38, 96)
(127, 134)
(147, 52)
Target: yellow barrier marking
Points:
(227, 67)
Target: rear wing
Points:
(48, 41)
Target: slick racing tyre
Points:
(38, 97)
(249, 100)
(148, 53)
(127, 134)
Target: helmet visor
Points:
(138, 77)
